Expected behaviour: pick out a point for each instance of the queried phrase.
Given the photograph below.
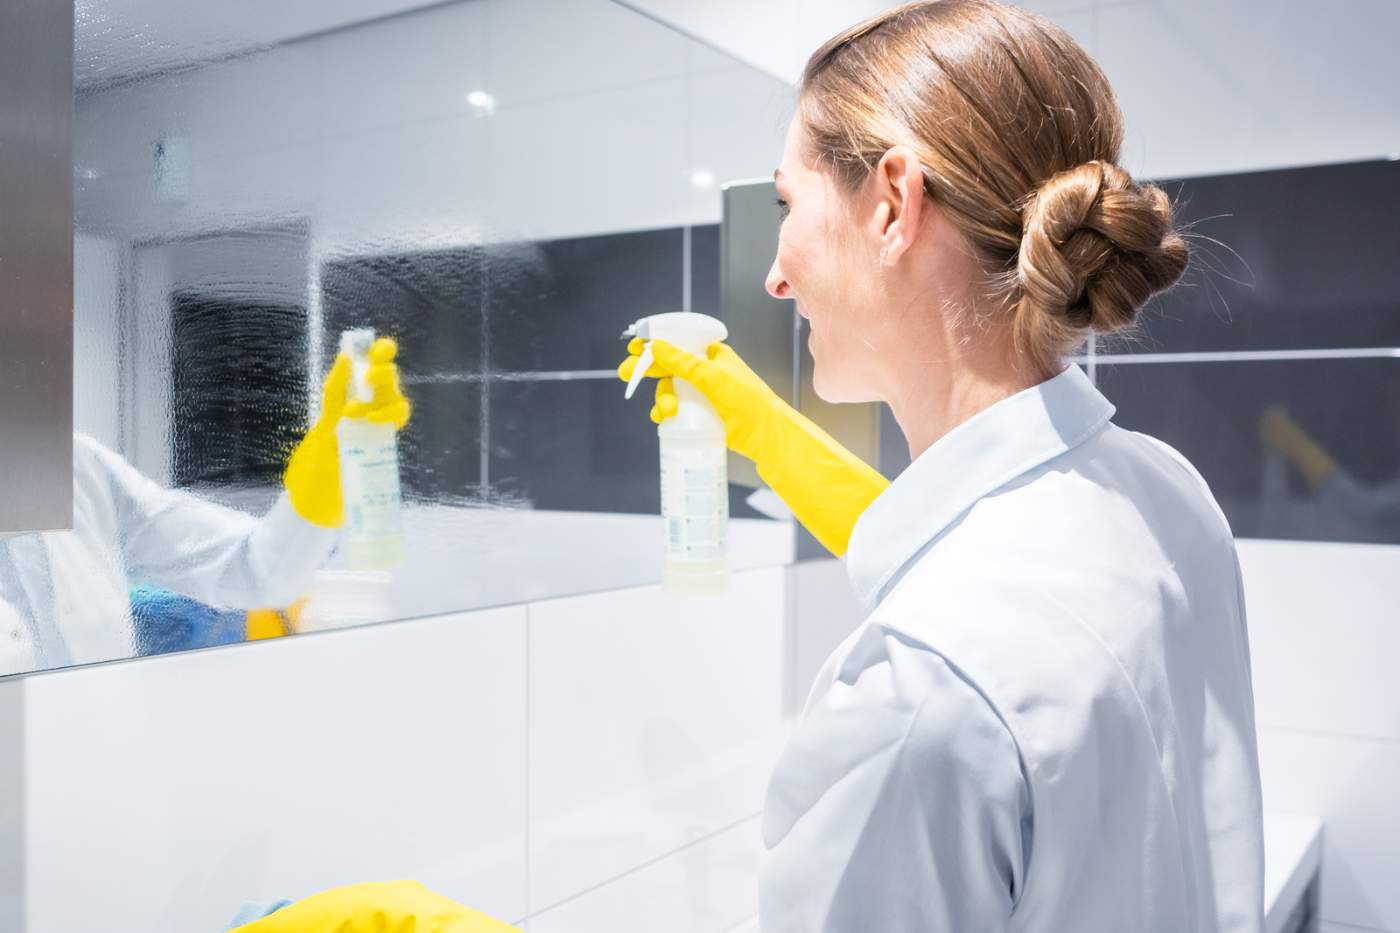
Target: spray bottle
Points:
(369, 472)
(694, 463)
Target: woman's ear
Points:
(899, 192)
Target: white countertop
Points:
(1292, 853)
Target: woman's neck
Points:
(931, 393)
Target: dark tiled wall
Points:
(238, 377)
(487, 336)
(1301, 258)
(1319, 270)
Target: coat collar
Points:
(979, 456)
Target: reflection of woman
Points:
(1046, 724)
(64, 595)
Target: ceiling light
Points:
(482, 102)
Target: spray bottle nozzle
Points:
(356, 344)
(643, 364)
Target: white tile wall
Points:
(12, 806)
(1207, 87)
(653, 723)
(1351, 785)
(591, 133)
(1324, 636)
(762, 34)
(604, 756)
(716, 103)
(168, 791)
(1322, 624)
(174, 788)
(708, 887)
(570, 48)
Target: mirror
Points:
(500, 185)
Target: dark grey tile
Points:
(431, 302)
(238, 371)
(704, 270)
(576, 446)
(440, 449)
(579, 446)
(1286, 259)
(1214, 414)
(577, 297)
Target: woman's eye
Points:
(783, 208)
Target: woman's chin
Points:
(834, 390)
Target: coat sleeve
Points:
(206, 551)
(899, 804)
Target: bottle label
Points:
(370, 482)
(695, 502)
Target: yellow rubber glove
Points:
(826, 486)
(1278, 430)
(313, 473)
(377, 907)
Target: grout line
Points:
(528, 624)
(745, 926)
(1361, 737)
(563, 375)
(1339, 925)
(1241, 356)
(645, 865)
(484, 446)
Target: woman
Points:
(1046, 722)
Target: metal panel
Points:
(36, 265)
(768, 332)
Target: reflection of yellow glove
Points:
(313, 474)
(1278, 430)
(377, 907)
(273, 623)
(826, 486)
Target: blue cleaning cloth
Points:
(166, 621)
(251, 912)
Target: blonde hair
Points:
(1019, 132)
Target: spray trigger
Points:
(643, 364)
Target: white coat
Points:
(64, 595)
(1046, 724)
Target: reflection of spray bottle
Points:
(369, 472)
(694, 463)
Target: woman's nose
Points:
(776, 285)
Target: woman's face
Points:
(830, 267)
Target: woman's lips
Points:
(803, 312)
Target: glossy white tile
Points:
(1349, 784)
(708, 887)
(176, 788)
(610, 160)
(547, 49)
(716, 103)
(1216, 87)
(654, 720)
(1322, 635)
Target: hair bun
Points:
(1094, 247)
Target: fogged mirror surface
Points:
(500, 185)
